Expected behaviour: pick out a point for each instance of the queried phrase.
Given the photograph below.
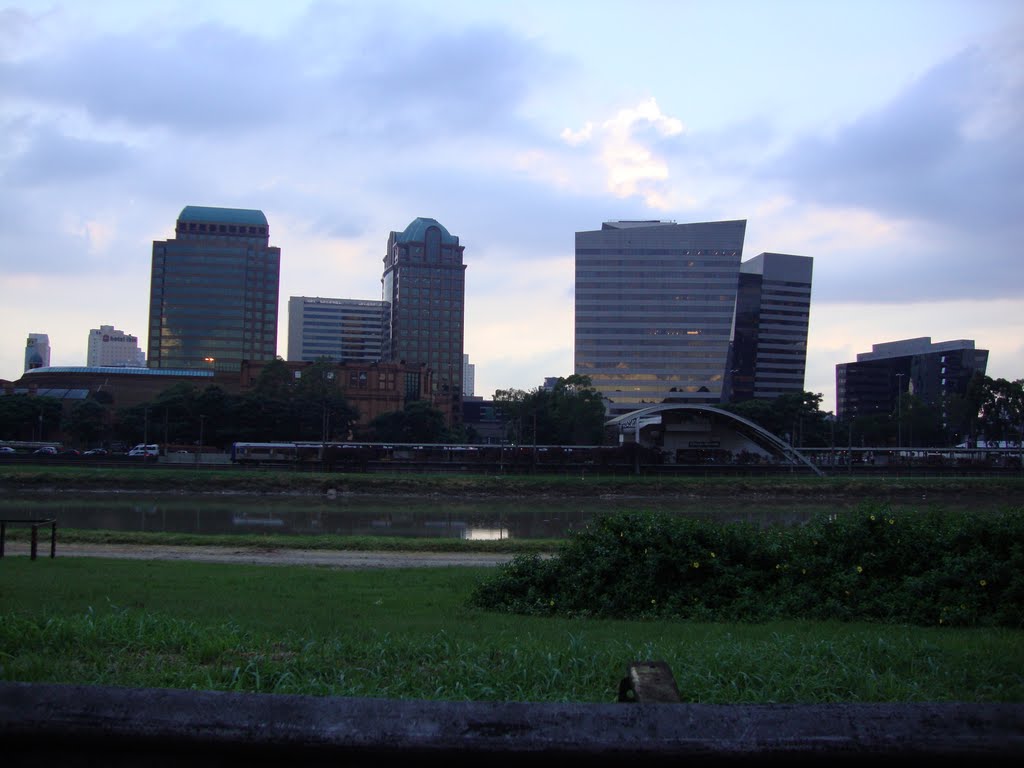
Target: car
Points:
(145, 450)
(6, 449)
(46, 450)
(96, 452)
(70, 452)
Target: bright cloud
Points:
(631, 165)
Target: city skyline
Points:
(879, 139)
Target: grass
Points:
(411, 634)
(325, 542)
(415, 634)
(69, 478)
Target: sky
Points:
(883, 139)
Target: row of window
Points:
(193, 226)
(654, 252)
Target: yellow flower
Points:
(859, 569)
(653, 601)
(892, 521)
(983, 583)
(872, 518)
(696, 564)
(712, 554)
(552, 602)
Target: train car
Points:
(275, 453)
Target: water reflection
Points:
(373, 516)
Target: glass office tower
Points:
(344, 330)
(654, 310)
(773, 312)
(424, 285)
(214, 291)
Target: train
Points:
(606, 459)
(367, 454)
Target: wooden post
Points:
(649, 681)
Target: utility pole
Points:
(202, 425)
(899, 412)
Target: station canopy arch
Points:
(680, 430)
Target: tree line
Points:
(571, 412)
(989, 410)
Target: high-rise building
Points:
(424, 285)
(37, 351)
(654, 310)
(932, 372)
(109, 347)
(343, 330)
(773, 308)
(214, 291)
(468, 377)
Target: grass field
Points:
(409, 634)
(66, 477)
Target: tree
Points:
(29, 417)
(796, 417)
(1001, 416)
(86, 421)
(571, 413)
(320, 409)
(418, 422)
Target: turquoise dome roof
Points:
(416, 232)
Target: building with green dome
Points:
(213, 299)
(424, 287)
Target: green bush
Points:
(923, 568)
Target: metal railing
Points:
(35, 525)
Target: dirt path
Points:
(317, 557)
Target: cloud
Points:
(625, 151)
(47, 156)
(941, 165)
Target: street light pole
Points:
(899, 411)
(202, 425)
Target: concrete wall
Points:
(70, 726)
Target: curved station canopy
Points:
(683, 433)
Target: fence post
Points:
(35, 540)
(53, 539)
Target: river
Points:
(376, 515)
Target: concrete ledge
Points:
(85, 725)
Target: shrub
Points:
(925, 568)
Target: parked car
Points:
(96, 452)
(70, 452)
(46, 450)
(145, 450)
(7, 449)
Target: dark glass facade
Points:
(932, 372)
(214, 291)
(424, 288)
(654, 310)
(773, 306)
